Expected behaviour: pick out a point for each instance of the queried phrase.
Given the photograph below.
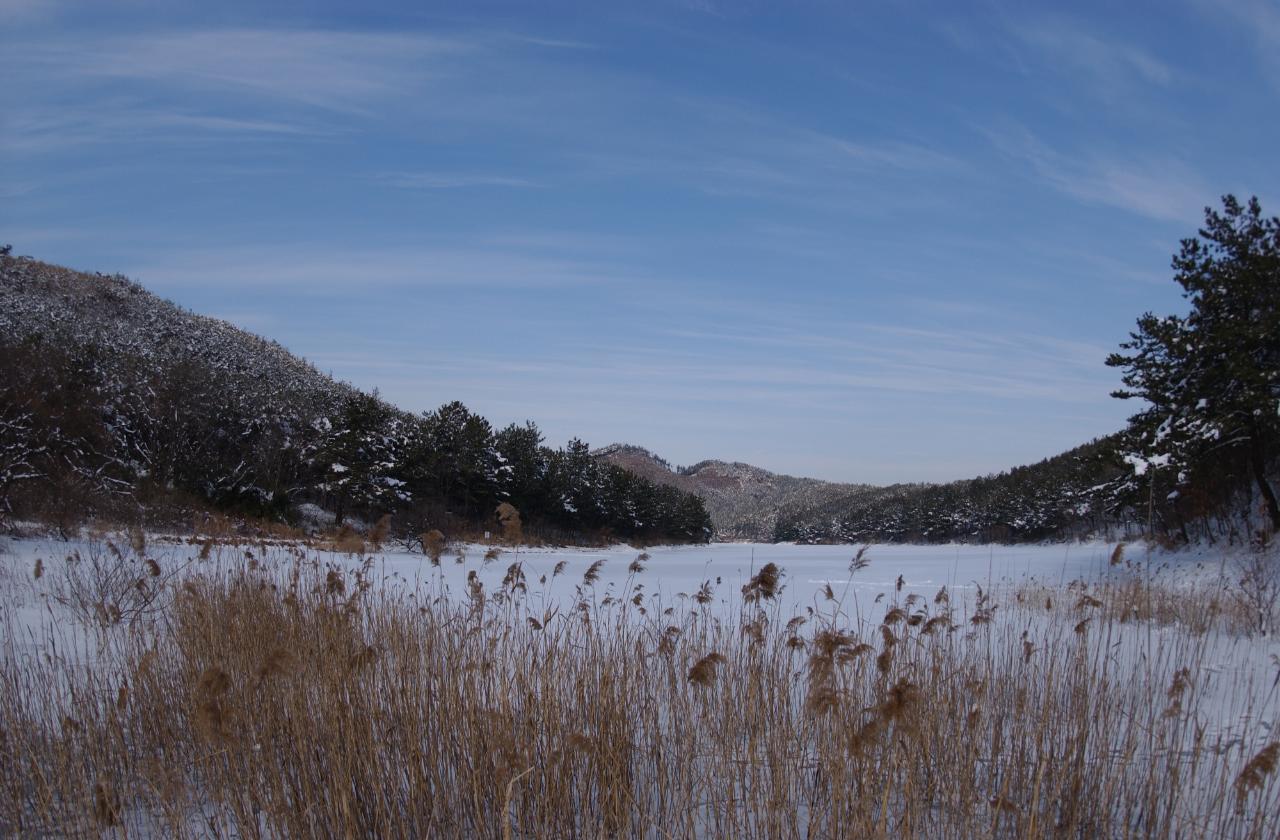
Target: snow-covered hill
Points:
(113, 399)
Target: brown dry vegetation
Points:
(1127, 600)
(1237, 598)
(274, 695)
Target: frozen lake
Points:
(807, 570)
(669, 575)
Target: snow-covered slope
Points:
(43, 302)
(112, 399)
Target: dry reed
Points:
(279, 694)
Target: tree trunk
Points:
(1258, 462)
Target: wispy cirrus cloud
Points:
(316, 267)
(1109, 62)
(40, 130)
(77, 88)
(886, 154)
(22, 11)
(451, 180)
(1160, 187)
(760, 156)
(339, 71)
(1260, 19)
(896, 358)
(163, 87)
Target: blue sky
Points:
(868, 242)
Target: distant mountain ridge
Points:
(744, 500)
(1066, 496)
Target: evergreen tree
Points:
(359, 455)
(522, 467)
(457, 450)
(573, 485)
(1211, 379)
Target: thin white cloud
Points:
(76, 88)
(552, 43)
(761, 156)
(340, 71)
(893, 154)
(318, 267)
(25, 11)
(1260, 19)
(694, 377)
(206, 122)
(451, 180)
(1107, 62)
(894, 358)
(1261, 16)
(1158, 187)
(46, 129)
(332, 69)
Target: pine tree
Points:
(1211, 379)
(358, 456)
(523, 467)
(456, 450)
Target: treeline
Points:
(1090, 491)
(113, 401)
(449, 466)
(1074, 494)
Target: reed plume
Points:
(703, 672)
(763, 585)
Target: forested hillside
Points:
(1077, 493)
(744, 501)
(1092, 490)
(116, 402)
(1070, 495)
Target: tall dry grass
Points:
(277, 695)
(1237, 597)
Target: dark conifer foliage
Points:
(1067, 496)
(1209, 434)
(112, 400)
